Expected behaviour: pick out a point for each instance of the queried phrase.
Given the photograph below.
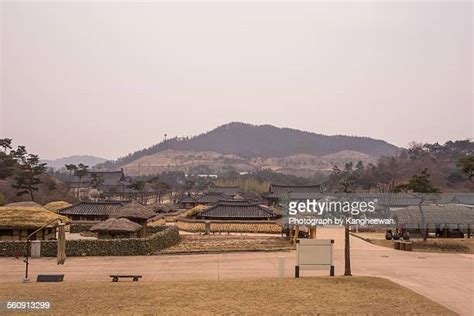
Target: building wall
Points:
(22, 234)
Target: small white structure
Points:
(35, 249)
(314, 254)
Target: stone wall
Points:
(164, 237)
(218, 226)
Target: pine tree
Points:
(27, 175)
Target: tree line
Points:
(426, 168)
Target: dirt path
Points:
(444, 278)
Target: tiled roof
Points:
(242, 210)
(233, 190)
(104, 208)
(277, 190)
(212, 197)
(463, 198)
(187, 199)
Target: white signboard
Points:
(314, 254)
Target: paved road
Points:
(445, 278)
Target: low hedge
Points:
(164, 237)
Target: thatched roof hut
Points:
(435, 216)
(25, 203)
(163, 208)
(117, 225)
(56, 206)
(134, 211)
(27, 217)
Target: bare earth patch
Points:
(194, 243)
(446, 245)
(324, 295)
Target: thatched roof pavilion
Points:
(117, 228)
(436, 216)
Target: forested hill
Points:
(249, 141)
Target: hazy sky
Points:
(110, 78)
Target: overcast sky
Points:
(110, 78)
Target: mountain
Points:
(247, 140)
(253, 142)
(77, 159)
(208, 162)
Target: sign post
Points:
(314, 254)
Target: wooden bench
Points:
(50, 278)
(116, 277)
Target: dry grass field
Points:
(195, 243)
(315, 295)
(441, 245)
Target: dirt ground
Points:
(440, 245)
(445, 278)
(314, 295)
(195, 243)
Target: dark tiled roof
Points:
(235, 202)
(277, 190)
(212, 197)
(234, 190)
(187, 199)
(104, 208)
(242, 210)
(463, 198)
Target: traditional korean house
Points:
(92, 211)
(230, 191)
(187, 202)
(277, 191)
(117, 228)
(466, 199)
(238, 210)
(250, 197)
(137, 213)
(210, 198)
(17, 222)
(106, 181)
